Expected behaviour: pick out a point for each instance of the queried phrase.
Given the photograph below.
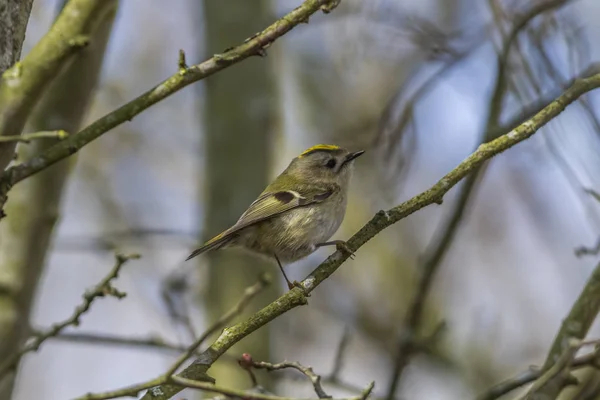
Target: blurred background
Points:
(419, 85)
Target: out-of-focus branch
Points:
(25, 236)
(255, 45)
(443, 240)
(28, 137)
(557, 376)
(14, 15)
(167, 377)
(102, 289)
(383, 219)
(22, 85)
(522, 379)
(152, 342)
(575, 326)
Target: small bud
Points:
(246, 361)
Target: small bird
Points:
(298, 212)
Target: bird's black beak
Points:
(354, 155)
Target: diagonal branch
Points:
(592, 359)
(253, 46)
(249, 293)
(575, 326)
(383, 219)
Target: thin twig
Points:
(102, 289)
(167, 377)
(338, 361)
(27, 137)
(249, 293)
(523, 378)
(108, 339)
(558, 375)
(307, 371)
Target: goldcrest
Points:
(298, 212)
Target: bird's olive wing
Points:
(268, 205)
(271, 204)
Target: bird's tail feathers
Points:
(213, 244)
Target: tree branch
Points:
(575, 326)
(383, 219)
(133, 390)
(22, 85)
(247, 363)
(522, 379)
(255, 45)
(102, 289)
(14, 15)
(28, 137)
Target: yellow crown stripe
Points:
(320, 147)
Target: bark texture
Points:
(33, 208)
(14, 15)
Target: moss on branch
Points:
(22, 85)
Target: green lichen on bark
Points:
(22, 85)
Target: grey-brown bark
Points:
(14, 15)
(33, 208)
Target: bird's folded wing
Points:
(270, 204)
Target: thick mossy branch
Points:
(22, 84)
(383, 219)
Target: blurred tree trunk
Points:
(237, 146)
(26, 233)
(14, 15)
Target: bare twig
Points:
(167, 377)
(339, 356)
(115, 340)
(557, 375)
(247, 363)
(522, 379)
(103, 288)
(249, 294)
(593, 251)
(27, 137)
(574, 327)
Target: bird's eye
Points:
(330, 163)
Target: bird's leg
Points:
(339, 245)
(291, 285)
